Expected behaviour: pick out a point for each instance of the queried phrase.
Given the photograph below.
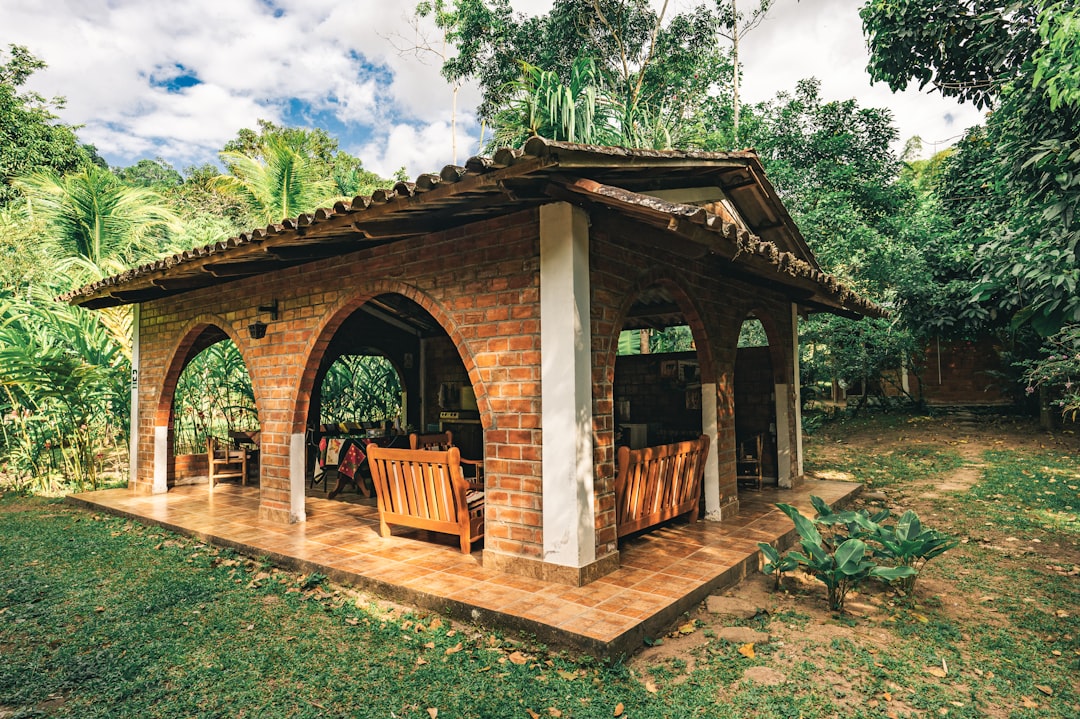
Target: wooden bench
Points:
(655, 484)
(426, 490)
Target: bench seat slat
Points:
(656, 484)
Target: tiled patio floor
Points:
(663, 573)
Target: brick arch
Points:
(183, 353)
(777, 356)
(344, 308)
(669, 281)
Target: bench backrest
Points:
(419, 483)
(655, 484)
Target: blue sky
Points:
(147, 78)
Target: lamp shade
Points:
(257, 330)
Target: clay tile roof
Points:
(768, 245)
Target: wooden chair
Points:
(225, 462)
(426, 490)
(444, 441)
(748, 462)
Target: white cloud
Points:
(824, 39)
(419, 148)
(341, 57)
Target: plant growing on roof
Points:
(840, 562)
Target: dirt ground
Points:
(866, 618)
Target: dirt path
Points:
(970, 436)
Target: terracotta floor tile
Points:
(660, 569)
(635, 604)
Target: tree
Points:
(94, 221)
(735, 26)
(30, 140)
(276, 181)
(290, 170)
(833, 166)
(658, 71)
(63, 390)
(156, 174)
(1018, 60)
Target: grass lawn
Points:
(102, 617)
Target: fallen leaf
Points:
(420, 661)
(432, 712)
(532, 714)
(618, 710)
(887, 696)
(518, 658)
(554, 712)
(687, 628)
(568, 676)
(1029, 703)
(99, 609)
(650, 686)
(429, 645)
(454, 649)
(435, 624)
(251, 627)
(1045, 689)
(352, 621)
(937, 672)
(747, 650)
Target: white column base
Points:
(297, 476)
(161, 460)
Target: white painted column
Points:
(566, 387)
(711, 427)
(783, 435)
(297, 477)
(798, 389)
(161, 460)
(133, 427)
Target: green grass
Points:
(103, 617)
(1031, 490)
(890, 466)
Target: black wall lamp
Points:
(257, 329)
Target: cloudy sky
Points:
(147, 78)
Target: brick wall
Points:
(480, 283)
(627, 259)
(969, 373)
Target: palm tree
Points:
(95, 221)
(284, 184)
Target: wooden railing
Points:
(656, 484)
